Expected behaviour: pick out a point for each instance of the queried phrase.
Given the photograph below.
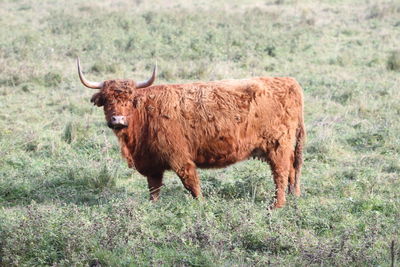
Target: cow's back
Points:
(223, 122)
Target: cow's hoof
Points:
(276, 204)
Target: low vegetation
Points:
(68, 199)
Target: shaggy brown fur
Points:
(209, 125)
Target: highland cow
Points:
(214, 124)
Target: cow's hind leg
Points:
(155, 183)
(189, 177)
(280, 159)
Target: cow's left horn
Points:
(89, 84)
(149, 81)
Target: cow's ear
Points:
(98, 99)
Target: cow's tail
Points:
(298, 150)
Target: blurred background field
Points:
(67, 197)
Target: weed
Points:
(393, 61)
(67, 136)
(52, 79)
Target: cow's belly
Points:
(217, 161)
(220, 153)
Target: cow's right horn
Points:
(89, 84)
(149, 81)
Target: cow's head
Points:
(115, 96)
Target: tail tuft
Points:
(298, 152)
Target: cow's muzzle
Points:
(117, 122)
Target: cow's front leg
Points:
(154, 183)
(189, 177)
(280, 164)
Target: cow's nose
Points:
(118, 121)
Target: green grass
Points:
(67, 197)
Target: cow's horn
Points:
(89, 84)
(149, 81)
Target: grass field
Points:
(67, 197)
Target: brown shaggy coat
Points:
(209, 125)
